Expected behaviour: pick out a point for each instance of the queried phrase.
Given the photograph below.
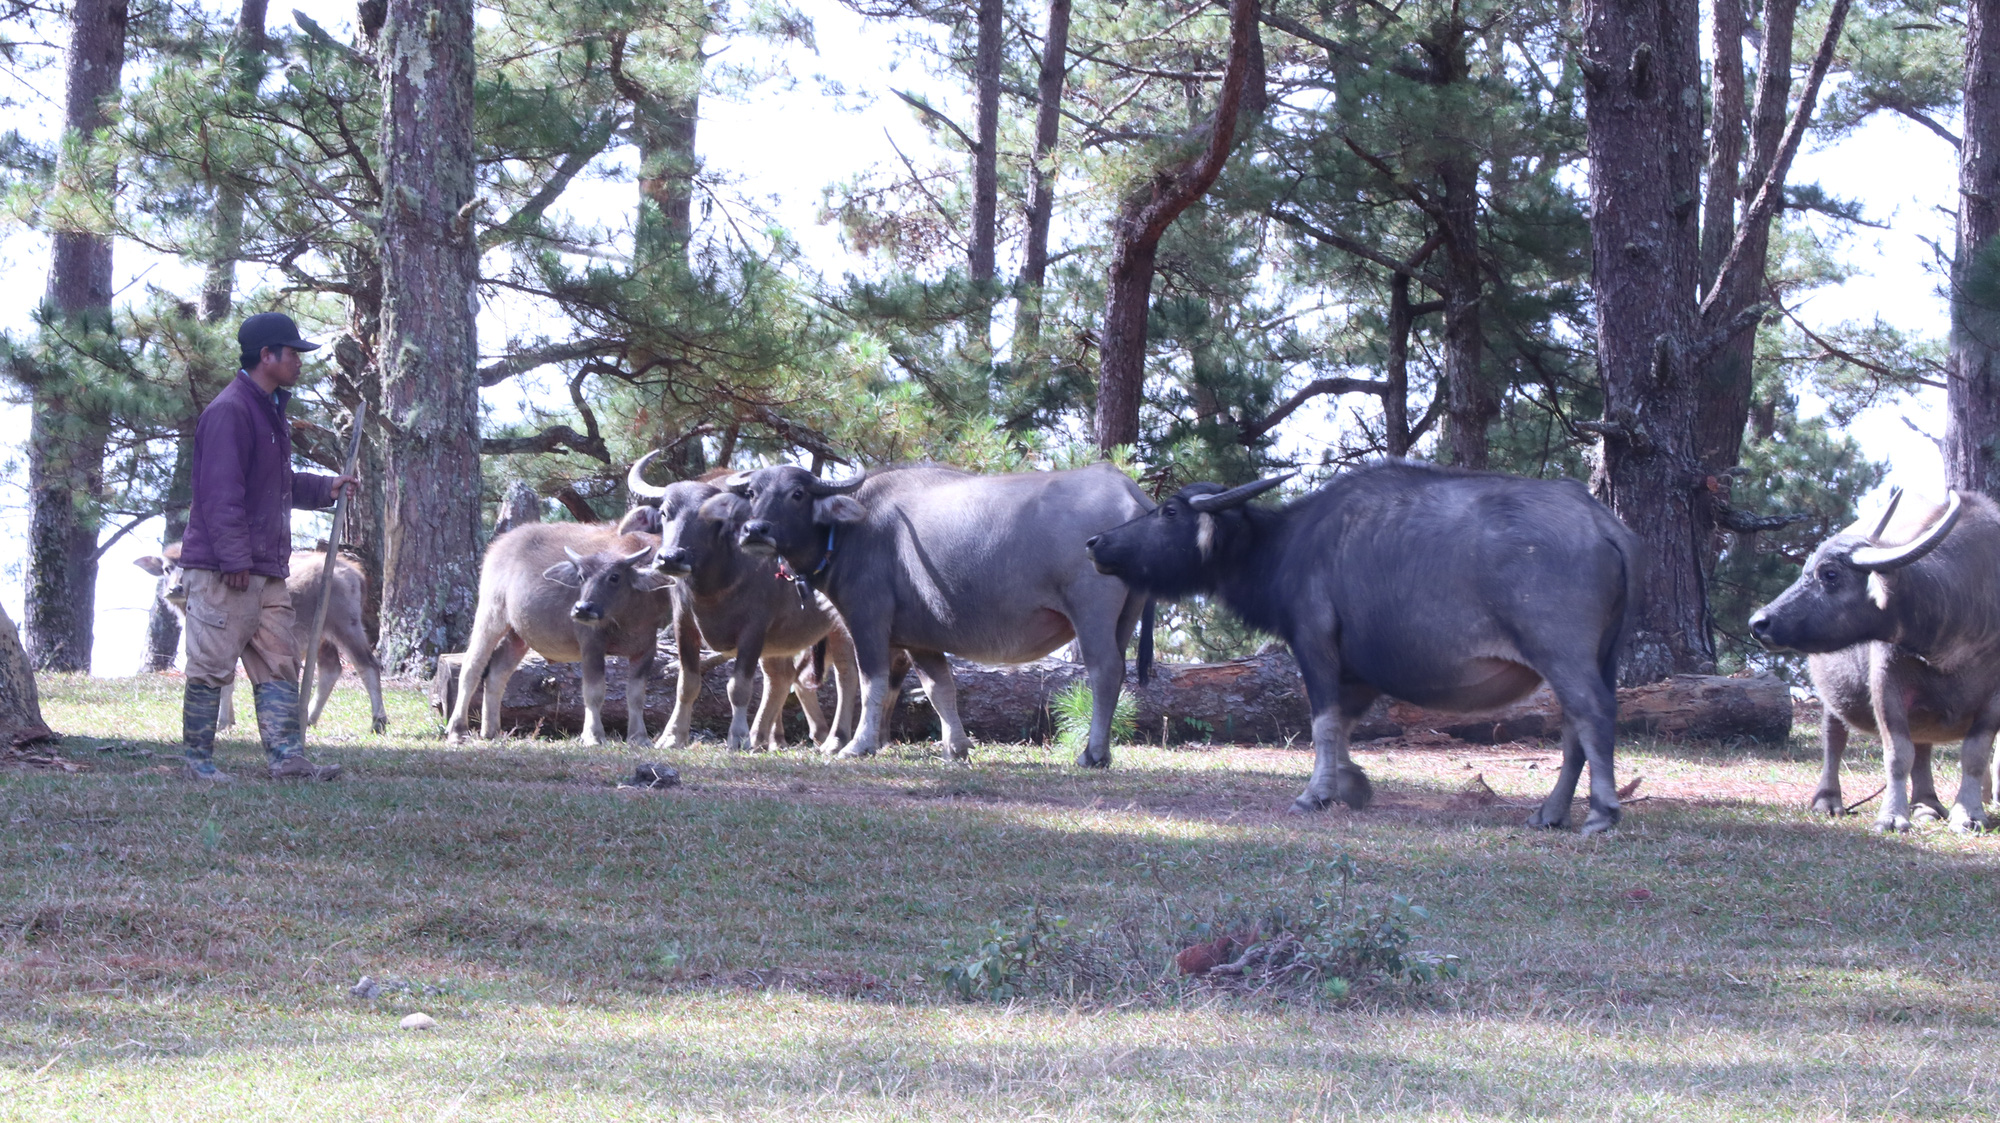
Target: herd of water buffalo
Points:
(1451, 589)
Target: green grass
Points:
(756, 943)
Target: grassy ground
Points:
(755, 944)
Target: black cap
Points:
(270, 329)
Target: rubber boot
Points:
(284, 742)
(199, 704)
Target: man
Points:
(237, 552)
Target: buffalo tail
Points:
(1146, 644)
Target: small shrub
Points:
(1071, 712)
(999, 966)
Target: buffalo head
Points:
(1837, 601)
(1173, 550)
(787, 509)
(168, 565)
(605, 582)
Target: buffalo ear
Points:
(565, 573)
(172, 553)
(642, 520)
(155, 566)
(838, 509)
(721, 508)
(737, 484)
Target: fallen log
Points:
(1245, 701)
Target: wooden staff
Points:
(311, 654)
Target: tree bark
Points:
(1643, 90)
(66, 439)
(1471, 401)
(1972, 386)
(20, 706)
(1728, 377)
(1137, 231)
(1041, 181)
(1396, 371)
(429, 348)
(986, 131)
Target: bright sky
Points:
(782, 143)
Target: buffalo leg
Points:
(687, 646)
(935, 671)
(1832, 747)
(846, 690)
(767, 731)
(1100, 638)
(488, 628)
(513, 649)
(638, 672)
(1892, 722)
(591, 663)
(352, 639)
(1968, 812)
(817, 726)
(225, 713)
(1590, 723)
(871, 656)
(329, 673)
(1924, 801)
(742, 684)
(1335, 706)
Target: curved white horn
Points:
(1889, 512)
(637, 556)
(1882, 559)
(635, 481)
(823, 488)
(573, 555)
(1236, 496)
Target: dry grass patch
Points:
(759, 943)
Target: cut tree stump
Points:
(1259, 700)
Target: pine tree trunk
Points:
(986, 130)
(20, 707)
(1643, 86)
(429, 350)
(1041, 182)
(1471, 403)
(65, 442)
(1396, 371)
(1142, 222)
(1972, 387)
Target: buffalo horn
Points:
(823, 488)
(1236, 496)
(573, 555)
(1881, 559)
(1889, 512)
(637, 556)
(635, 480)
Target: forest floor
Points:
(760, 943)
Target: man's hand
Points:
(351, 484)
(239, 580)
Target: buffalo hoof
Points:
(1926, 810)
(960, 751)
(1967, 822)
(1829, 804)
(1085, 759)
(590, 740)
(1308, 803)
(856, 752)
(1351, 787)
(1599, 822)
(829, 747)
(1892, 824)
(1541, 820)
(456, 737)
(380, 724)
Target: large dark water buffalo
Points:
(935, 560)
(1904, 629)
(1450, 589)
(575, 593)
(737, 604)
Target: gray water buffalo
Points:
(575, 593)
(935, 560)
(740, 607)
(1904, 627)
(1451, 589)
(344, 634)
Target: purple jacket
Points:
(243, 485)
